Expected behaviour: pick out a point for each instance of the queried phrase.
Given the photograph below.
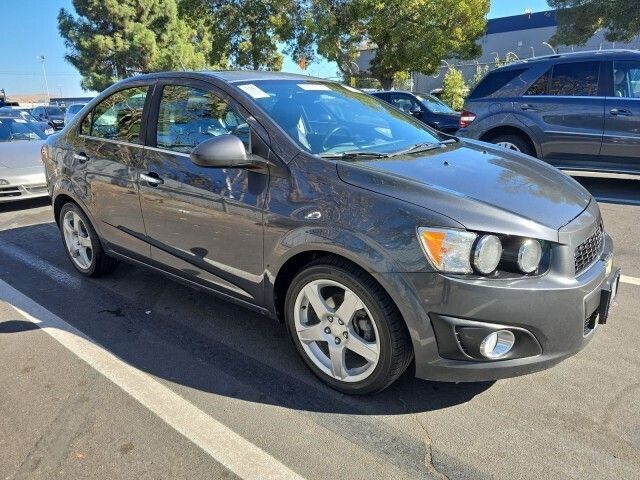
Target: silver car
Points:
(21, 170)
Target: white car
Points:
(21, 170)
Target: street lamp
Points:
(44, 72)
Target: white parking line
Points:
(224, 445)
(631, 280)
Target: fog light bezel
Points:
(501, 340)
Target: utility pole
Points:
(44, 73)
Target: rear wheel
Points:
(346, 328)
(82, 244)
(516, 143)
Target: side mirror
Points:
(223, 151)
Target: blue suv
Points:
(577, 111)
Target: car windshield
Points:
(329, 119)
(54, 111)
(433, 104)
(14, 129)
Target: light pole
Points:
(44, 72)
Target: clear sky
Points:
(30, 28)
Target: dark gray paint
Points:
(235, 241)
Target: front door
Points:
(621, 145)
(110, 147)
(204, 224)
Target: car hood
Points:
(20, 154)
(480, 186)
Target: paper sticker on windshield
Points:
(313, 86)
(19, 120)
(254, 91)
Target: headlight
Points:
(487, 253)
(448, 250)
(529, 255)
(460, 251)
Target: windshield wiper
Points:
(346, 155)
(418, 147)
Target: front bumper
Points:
(23, 186)
(558, 315)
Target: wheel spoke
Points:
(84, 241)
(84, 257)
(350, 305)
(76, 223)
(312, 333)
(336, 354)
(68, 228)
(367, 350)
(312, 292)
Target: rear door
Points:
(110, 150)
(564, 108)
(621, 144)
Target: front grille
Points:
(590, 323)
(10, 192)
(589, 250)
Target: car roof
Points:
(582, 55)
(229, 76)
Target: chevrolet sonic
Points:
(378, 241)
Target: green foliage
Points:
(454, 89)
(408, 35)
(579, 20)
(245, 33)
(108, 40)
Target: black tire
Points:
(396, 352)
(521, 143)
(101, 263)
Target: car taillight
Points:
(466, 118)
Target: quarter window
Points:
(626, 79)
(575, 79)
(119, 116)
(188, 116)
(494, 81)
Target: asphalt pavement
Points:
(134, 376)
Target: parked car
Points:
(21, 172)
(574, 110)
(425, 108)
(72, 110)
(373, 237)
(51, 114)
(24, 113)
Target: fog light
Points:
(497, 344)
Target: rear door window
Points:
(494, 81)
(119, 116)
(575, 79)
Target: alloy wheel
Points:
(77, 240)
(508, 146)
(336, 330)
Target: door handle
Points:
(81, 157)
(620, 111)
(151, 178)
(526, 106)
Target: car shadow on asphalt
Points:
(18, 205)
(193, 339)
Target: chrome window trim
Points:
(110, 140)
(567, 96)
(170, 152)
(584, 134)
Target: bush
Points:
(454, 89)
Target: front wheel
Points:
(346, 328)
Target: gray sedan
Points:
(21, 171)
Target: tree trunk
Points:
(387, 83)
